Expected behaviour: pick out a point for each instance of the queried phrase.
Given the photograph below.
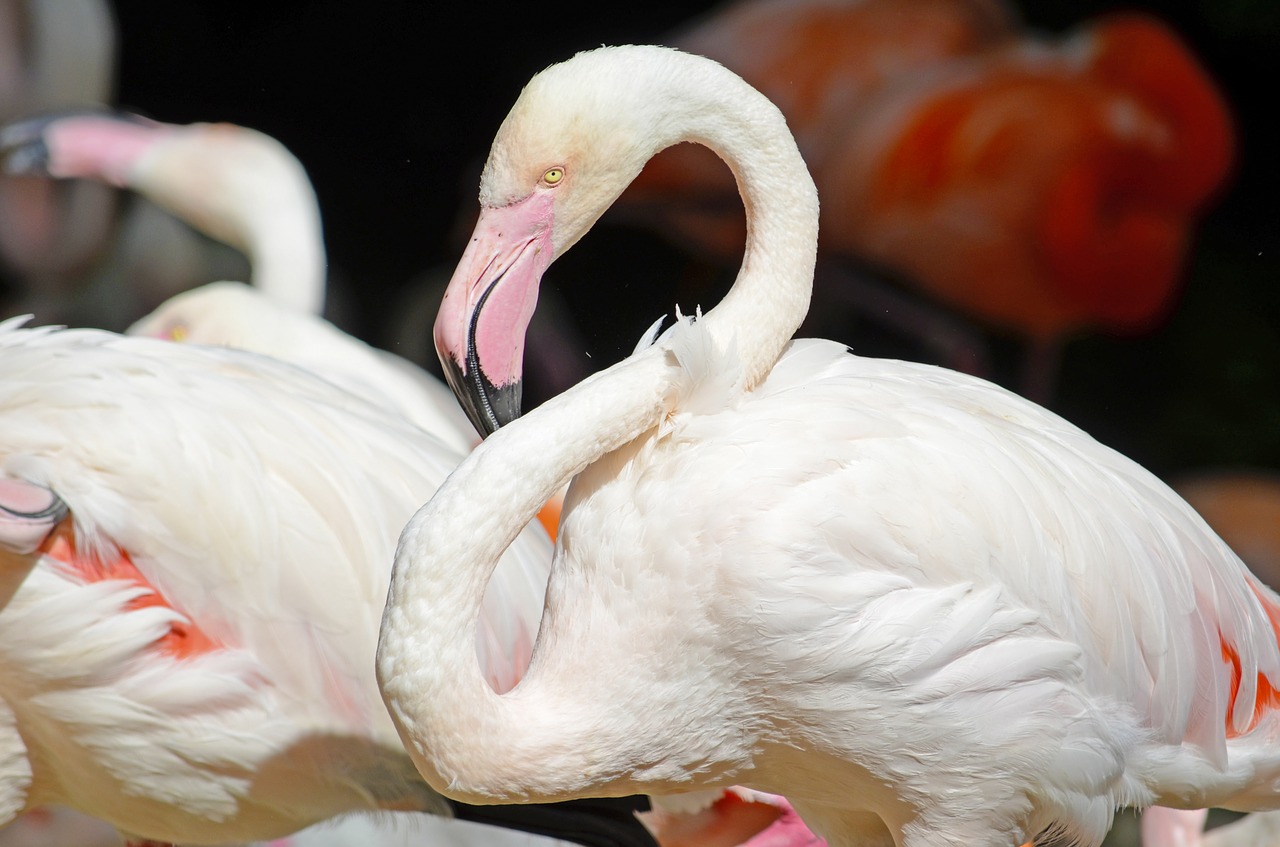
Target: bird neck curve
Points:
(770, 295)
(276, 220)
(252, 194)
(526, 745)
(286, 253)
(556, 738)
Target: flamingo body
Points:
(1043, 188)
(924, 609)
(191, 656)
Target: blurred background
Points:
(392, 112)
(391, 108)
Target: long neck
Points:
(526, 745)
(545, 740)
(254, 196)
(770, 296)
(286, 250)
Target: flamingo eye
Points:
(553, 176)
(177, 332)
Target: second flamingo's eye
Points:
(553, 176)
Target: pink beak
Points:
(480, 329)
(28, 513)
(80, 144)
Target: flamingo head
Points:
(579, 133)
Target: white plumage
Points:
(926, 610)
(234, 315)
(196, 665)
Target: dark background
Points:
(391, 107)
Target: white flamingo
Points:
(926, 610)
(207, 535)
(233, 183)
(246, 189)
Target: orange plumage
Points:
(183, 640)
(1041, 187)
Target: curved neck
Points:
(526, 745)
(252, 195)
(770, 297)
(539, 741)
(285, 248)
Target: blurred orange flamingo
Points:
(1039, 187)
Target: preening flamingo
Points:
(1043, 187)
(190, 656)
(925, 609)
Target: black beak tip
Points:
(504, 401)
(488, 406)
(52, 514)
(23, 528)
(23, 149)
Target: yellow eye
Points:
(178, 332)
(553, 176)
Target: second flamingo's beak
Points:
(480, 329)
(78, 144)
(28, 513)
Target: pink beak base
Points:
(480, 329)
